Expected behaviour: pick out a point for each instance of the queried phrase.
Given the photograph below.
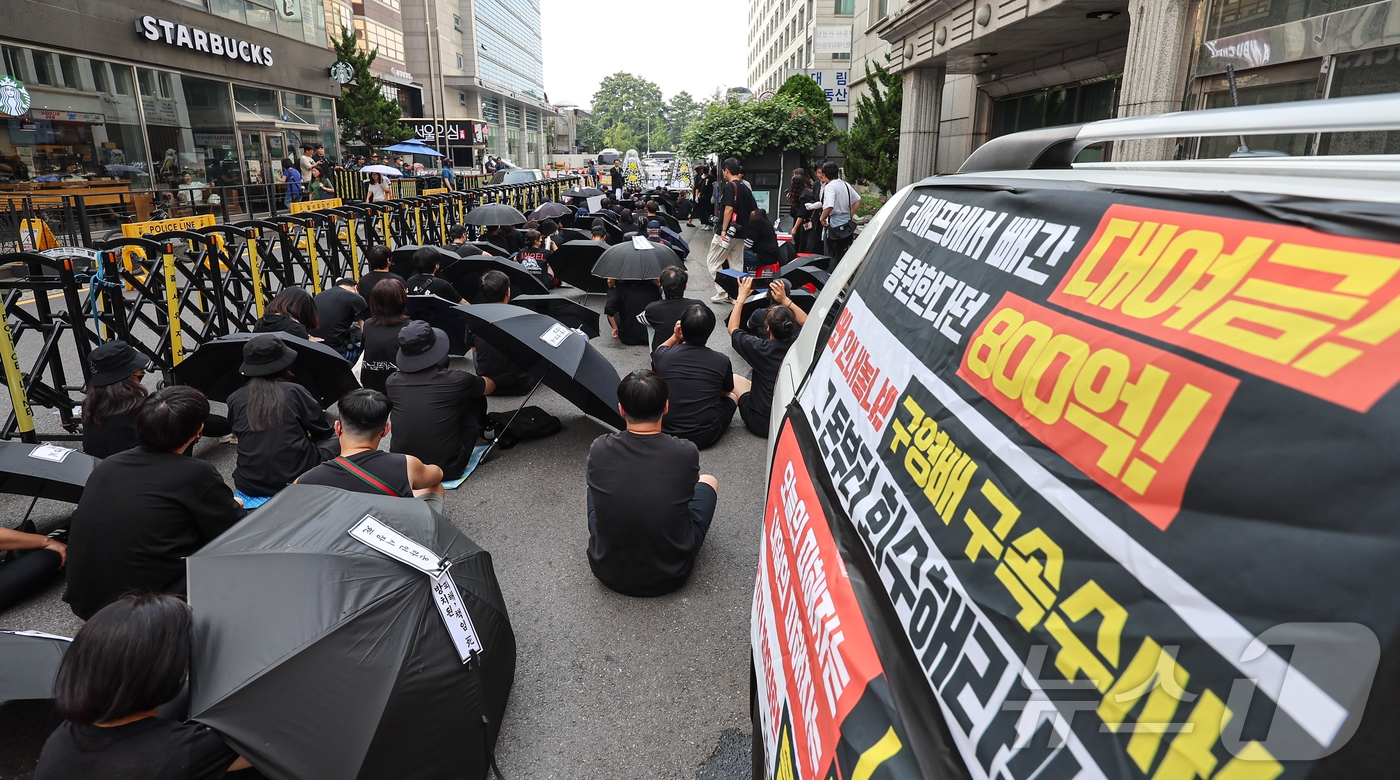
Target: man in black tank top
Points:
(362, 467)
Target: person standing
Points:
(306, 162)
(700, 380)
(438, 411)
(291, 176)
(377, 189)
(799, 195)
(615, 179)
(737, 205)
(447, 176)
(839, 201)
(321, 188)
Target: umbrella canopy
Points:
(572, 314)
(635, 259)
(465, 275)
(800, 275)
(820, 262)
(550, 211)
(383, 170)
(28, 663)
(539, 344)
(413, 146)
(331, 659)
(401, 259)
(761, 300)
(582, 192)
(573, 264)
(494, 214)
(213, 368)
(44, 471)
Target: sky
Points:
(581, 46)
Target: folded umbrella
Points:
(333, 657)
(571, 313)
(550, 211)
(465, 275)
(544, 347)
(28, 664)
(494, 214)
(45, 471)
(636, 259)
(213, 368)
(573, 263)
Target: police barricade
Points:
(149, 321)
(244, 280)
(48, 382)
(353, 222)
(301, 262)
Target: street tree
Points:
(808, 92)
(871, 146)
(625, 105)
(732, 128)
(590, 134)
(681, 109)
(367, 117)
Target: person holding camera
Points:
(737, 205)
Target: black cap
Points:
(114, 361)
(420, 346)
(266, 355)
(548, 227)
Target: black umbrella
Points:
(44, 471)
(488, 248)
(635, 259)
(804, 275)
(582, 192)
(573, 263)
(820, 262)
(331, 659)
(213, 368)
(401, 260)
(541, 345)
(550, 211)
(494, 214)
(762, 300)
(465, 275)
(574, 315)
(566, 235)
(28, 663)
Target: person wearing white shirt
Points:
(191, 191)
(839, 200)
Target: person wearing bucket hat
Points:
(114, 394)
(438, 411)
(282, 432)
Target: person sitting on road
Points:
(535, 258)
(293, 312)
(338, 310)
(378, 259)
(457, 242)
(598, 233)
(114, 395)
(645, 534)
(37, 560)
(549, 230)
(508, 378)
(662, 315)
(361, 467)
(146, 509)
(438, 412)
(282, 431)
(387, 307)
(129, 659)
(701, 380)
(428, 262)
(754, 395)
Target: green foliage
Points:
(367, 118)
(871, 146)
(808, 92)
(590, 135)
(744, 129)
(625, 106)
(679, 112)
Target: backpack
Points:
(531, 422)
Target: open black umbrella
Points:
(800, 275)
(820, 262)
(45, 471)
(728, 280)
(582, 192)
(542, 346)
(573, 263)
(575, 315)
(566, 235)
(488, 248)
(550, 211)
(636, 259)
(213, 368)
(401, 259)
(465, 275)
(762, 300)
(28, 663)
(494, 214)
(333, 657)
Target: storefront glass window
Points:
(1295, 144)
(191, 131)
(255, 105)
(1061, 105)
(317, 112)
(303, 20)
(1233, 17)
(1364, 73)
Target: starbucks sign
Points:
(14, 98)
(342, 72)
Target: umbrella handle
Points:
(506, 427)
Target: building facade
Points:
(797, 35)
(146, 91)
(565, 123)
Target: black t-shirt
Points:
(140, 515)
(696, 379)
(425, 284)
(737, 196)
(338, 309)
(280, 323)
(387, 467)
(370, 279)
(535, 261)
(146, 749)
(436, 416)
(492, 363)
(766, 357)
(271, 459)
(765, 240)
(381, 350)
(643, 542)
(625, 301)
(117, 433)
(663, 315)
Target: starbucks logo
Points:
(14, 98)
(342, 73)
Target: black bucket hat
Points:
(420, 346)
(114, 361)
(266, 355)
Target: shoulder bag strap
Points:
(366, 476)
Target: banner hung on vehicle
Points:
(1116, 460)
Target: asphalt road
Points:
(606, 685)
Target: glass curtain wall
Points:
(189, 124)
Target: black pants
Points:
(26, 574)
(836, 248)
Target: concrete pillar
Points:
(918, 124)
(1154, 75)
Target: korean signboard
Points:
(835, 83)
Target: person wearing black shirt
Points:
(437, 411)
(293, 311)
(378, 259)
(282, 431)
(662, 315)
(645, 534)
(762, 240)
(363, 423)
(616, 179)
(128, 660)
(754, 395)
(146, 509)
(338, 310)
(426, 260)
(457, 237)
(490, 363)
(535, 258)
(628, 298)
(700, 380)
(381, 332)
(114, 395)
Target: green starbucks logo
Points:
(14, 98)
(342, 72)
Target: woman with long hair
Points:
(799, 195)
(378, 189)
(293, 312)
(320, 185)
(114, 394)
(128, 660)
(282, 431)
(387, 304)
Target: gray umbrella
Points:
(28, 663)
(321, 657)
(494, 214)
(550, 211)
